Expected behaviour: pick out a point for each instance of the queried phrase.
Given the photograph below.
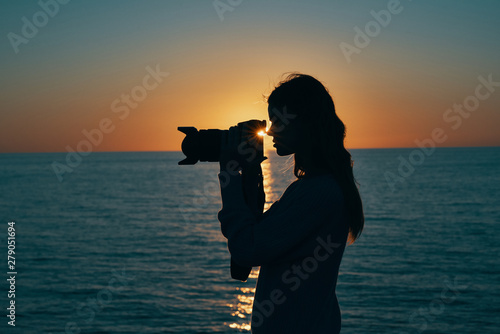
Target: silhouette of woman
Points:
(299, 242)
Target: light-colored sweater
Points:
(298, 244)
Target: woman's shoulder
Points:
(320, 185)
(310, 191)
(323, 181)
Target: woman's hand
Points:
(236, 155)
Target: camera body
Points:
(204, 145)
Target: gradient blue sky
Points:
(396, 90)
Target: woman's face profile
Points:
(284, 129)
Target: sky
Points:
(123, 75)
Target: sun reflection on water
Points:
(242, 310)
(268, 184)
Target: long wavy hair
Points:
(308, 98)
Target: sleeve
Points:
(253, 192)
(256, 241)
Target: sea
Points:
(129, 242)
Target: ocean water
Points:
(130, 243)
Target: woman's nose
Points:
(270, 131)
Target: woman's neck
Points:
(308, 167)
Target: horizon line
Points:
(165, 151)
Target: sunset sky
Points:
(208, 64)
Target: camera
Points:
(204, 145)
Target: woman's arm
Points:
(251, 186)
(253, 241)
(253, 192)
(253, 189)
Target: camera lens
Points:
(204, 145)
